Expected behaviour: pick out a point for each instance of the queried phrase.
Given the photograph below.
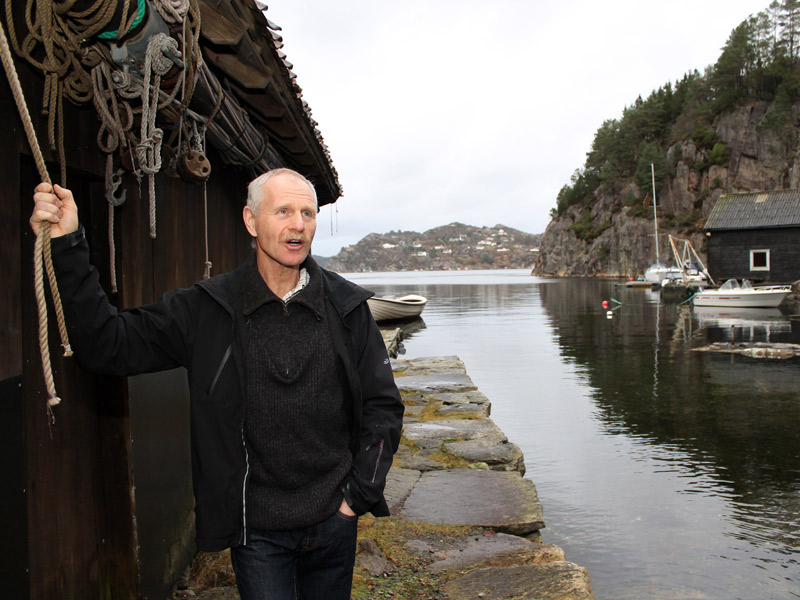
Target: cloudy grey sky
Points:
(437, 111)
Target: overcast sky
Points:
(437, 111)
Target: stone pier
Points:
(456, 467)
(465, 522)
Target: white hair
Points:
(255, 188)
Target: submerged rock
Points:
(559, 580)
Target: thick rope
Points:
(58, 43)
(42, 245)
(148, 150)
(172, 11)
(112, 132)
(112, 247)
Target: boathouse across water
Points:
(755, 236)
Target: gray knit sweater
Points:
(296, 424)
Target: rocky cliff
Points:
(611, 235)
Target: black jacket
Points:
(202, 328)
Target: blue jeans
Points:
(315, 563)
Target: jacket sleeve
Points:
(380, 426)
(145, 339)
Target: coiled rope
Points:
(42, 251)
(68, 59)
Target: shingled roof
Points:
(756, 210)
(243, 47)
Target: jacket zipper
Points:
(377, 461)
(221, 366)
(243, 540)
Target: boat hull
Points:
(397, 309)
(656, 273)
(768, 297)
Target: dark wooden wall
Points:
(68, 487)
(729, 254)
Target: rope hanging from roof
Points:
(41, 254)
(65, 42)
(148, 150)
(56, 43)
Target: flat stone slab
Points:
(549, 581)
(415, 400)
(490, 452)
(756, 350)
(417, 462)
(503, 501)
(471, 397)
(399, 483)
(427, 384)
(391, 339)
(424, 365)
(476, 411)
(499, 547)
(453, 429)
(413, 410)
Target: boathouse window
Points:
(759, 260)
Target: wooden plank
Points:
(218, 29)
(13, 503)
(263, 104)
(247, 75)
(76, 481)
(64, 499)
(12, 222)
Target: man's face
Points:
(286, 222)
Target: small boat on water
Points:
(744, 295)
(390, 308)
(656, 272)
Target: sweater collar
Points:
(308, 292)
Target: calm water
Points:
(667, 473)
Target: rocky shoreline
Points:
(456, 467)
(465, 522)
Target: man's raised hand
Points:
(55, 204)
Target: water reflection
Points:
(667, 473)
(730, 429)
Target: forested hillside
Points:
(449, 247)
(731, 128)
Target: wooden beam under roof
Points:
(217, 28)
(248, 76)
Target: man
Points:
(295, 413)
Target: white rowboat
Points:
(388, 308)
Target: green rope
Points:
(140, 12)
(688, 299)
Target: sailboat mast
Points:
(655, 215)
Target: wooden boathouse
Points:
(96, 497)
(755, 236)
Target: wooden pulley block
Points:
(194, 166)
